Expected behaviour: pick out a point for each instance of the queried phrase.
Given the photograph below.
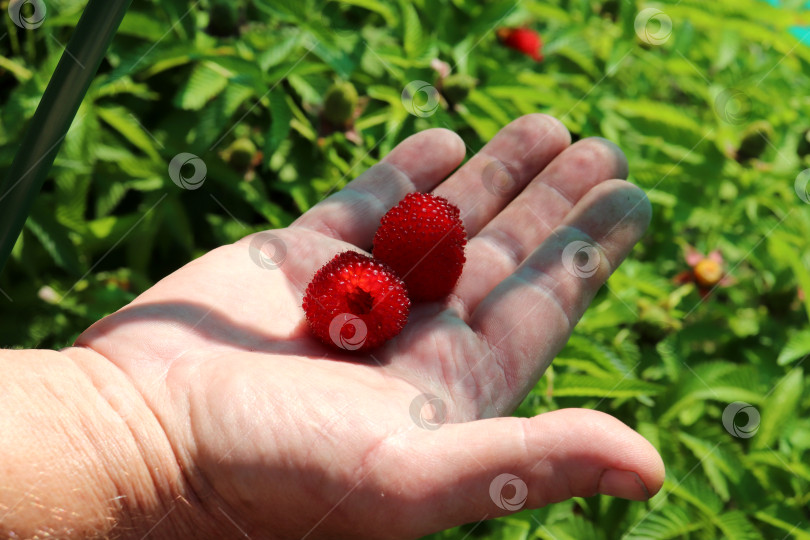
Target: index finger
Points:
(418, 163)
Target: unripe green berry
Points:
(240, 153)
(340, 103)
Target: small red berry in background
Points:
(706, 271)
(422, 239)
(356, 303)
(524, 40)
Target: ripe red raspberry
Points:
(422, 239)
(355, 302)
(524, 40)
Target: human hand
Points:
(279, 436)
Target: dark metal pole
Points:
(56, 110)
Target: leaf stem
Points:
(55, 113)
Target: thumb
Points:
(488, 468)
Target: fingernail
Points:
(624, 484)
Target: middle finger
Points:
(500, 170)
(527, 221)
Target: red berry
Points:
(524, 40)
(422, 239)
(355, 302)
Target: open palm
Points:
(280, 436)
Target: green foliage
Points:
(712, 113)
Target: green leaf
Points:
(722, 381)
(665, 523)
(72, 189)
(486, 103)
(215, 118)
(412, 37)
(694, 491)
(21, 73)
(128, 126)
(280, 117)
(380, 8)
(783, 248)
(583, 347)
(719, 465)
(735, 525)
(798, 346)
(574, 528)
(53, 236)
(573, 384)
(574, 52)
(279, 51)
(181, 228)
(150, 59)
(661, 116)
(545, 12)
(482, 123)
(204, 83)
(288, 10)
(142, 25)
(333, 56)
(786, 519)
(108, 196)
(780, 406)
(776, 462)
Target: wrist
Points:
(82, 454)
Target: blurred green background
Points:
(710, 101)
